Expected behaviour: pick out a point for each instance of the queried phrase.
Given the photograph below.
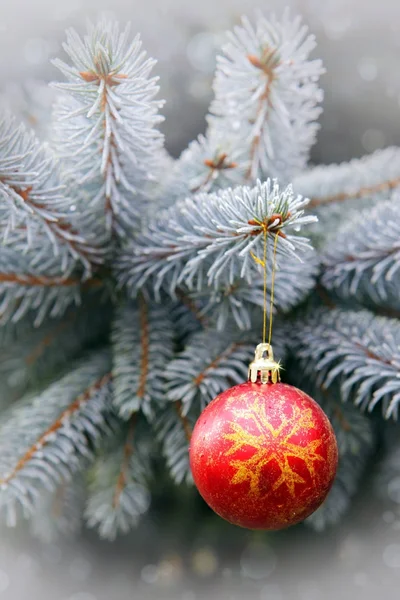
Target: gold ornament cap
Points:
(264, 368)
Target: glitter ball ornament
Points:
(263, 454)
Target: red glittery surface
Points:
(263, 456)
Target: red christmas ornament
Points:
(263, 454)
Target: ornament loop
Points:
(264, 368)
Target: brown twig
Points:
(217, 164)
(214, 363)
(264, 64)
(44, 281)
(126, 456)
(343, 422)
(110, 80)
(59, 227)
(145, 346)
(191, 305)
(362, 192)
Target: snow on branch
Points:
(105, 122)
(357, 351)
(213, 237)
(57, 430)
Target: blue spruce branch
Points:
(142, 345)
(213, 238)
(118, 492)
(358, 351)
(267, 95)
(57, 431)
(104, 123)
(363, 260)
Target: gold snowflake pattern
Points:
(268, 448)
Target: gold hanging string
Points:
(265, 286)
(264, 265)
(272, 288)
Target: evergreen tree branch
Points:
(57, 431)
(36, 354)
(210, 364)
(118, 493)
(206, 367)
(105, 124)
(267, 95)
(33, 204)
(48, 249)
(221, 230)
(142, 346)
(242, 300)
(358, 351)
(372, 177)
(363, 260)
(173, 428)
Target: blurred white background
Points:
(359, 41)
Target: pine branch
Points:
(374, 176)
(208, 365)
(142, 346)
(355, 350)
(266, 95)
(363, 260)
(33, 355)
(57, 430)
(118, 493)
(293, 282)
(47, 249)
(105, 124)
(210, 163)
(35, 213)
(173, 429)
(221, 229)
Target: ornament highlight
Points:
(263, 455)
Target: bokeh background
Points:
(181, 550)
